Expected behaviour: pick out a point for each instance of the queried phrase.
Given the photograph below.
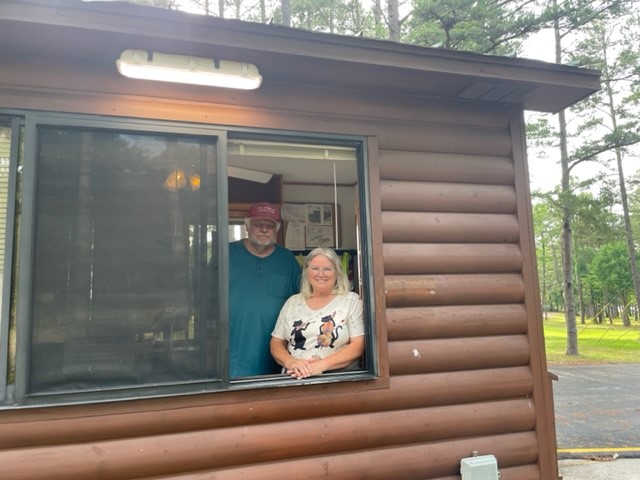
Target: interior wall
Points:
(347, 199)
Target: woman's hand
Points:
(296, 367)
(299, 368)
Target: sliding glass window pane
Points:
(124, 279)
(5, 149)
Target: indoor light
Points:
(186, 69)
(251, 175)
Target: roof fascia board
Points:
(121, 17)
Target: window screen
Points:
(124, 276)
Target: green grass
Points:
(597, 343)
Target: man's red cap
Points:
(264, 211)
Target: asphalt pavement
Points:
(597, 410)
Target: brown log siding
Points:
(30, 429)
(458, 358)
(413, 258)
(454, 285)
(459, 345)
(339, 434)
(411, 323)
(447, 197)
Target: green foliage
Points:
(332, 16)
(608, 118)
(595, 224)
(609, 272)
(484, 26)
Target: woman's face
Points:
(321, 274)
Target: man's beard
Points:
(261, 244)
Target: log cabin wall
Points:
(460, 347)
(459, 352)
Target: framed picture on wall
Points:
(310, 225)
(319, 236)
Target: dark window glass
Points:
(124, 276)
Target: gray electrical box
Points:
(482, 467)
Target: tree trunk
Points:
(633, 262)
(581, 300)
(286, 12)
(263, 11)
(544, 276)
(377, 17)
(394, 20)
(569, 300)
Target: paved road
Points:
(598, 407)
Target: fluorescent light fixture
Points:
(258, 148)
(186, 69)
(251, 175)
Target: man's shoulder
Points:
(283, 251)
(237, 246)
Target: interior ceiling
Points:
(296, 170)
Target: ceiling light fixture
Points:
(186, 69)
(258, 148)
(251, 175)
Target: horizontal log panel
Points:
(523, 472)
(175, 110)
(423, 227)
(405, 393)
(415, 323)
(420, 258)
(446, 167)
(453, 354)
(421, 461)
(321, 100)
(438, 138)
(463, 289)
(143, 456)
(447, 197)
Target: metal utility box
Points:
(483, 467)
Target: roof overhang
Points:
(90, 31)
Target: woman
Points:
(321, 328)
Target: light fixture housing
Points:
(251, 175)
(187, 69)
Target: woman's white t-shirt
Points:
(316, 334)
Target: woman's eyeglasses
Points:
(317, 270)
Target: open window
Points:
(115, 272)
(319, 184)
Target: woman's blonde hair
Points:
(342, 281)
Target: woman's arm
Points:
(342, 358)
(296, 367)
(300, 368)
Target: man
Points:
(262, 276)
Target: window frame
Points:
(365, 256)
(18, 395)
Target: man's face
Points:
(262, 233)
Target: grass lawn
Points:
(597, 343)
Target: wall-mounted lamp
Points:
(185, 69)
(177, 180)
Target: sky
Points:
(544, 167)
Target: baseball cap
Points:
(264, 211)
